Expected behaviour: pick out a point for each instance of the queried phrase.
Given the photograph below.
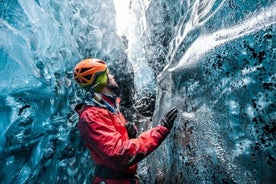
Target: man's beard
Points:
(114, 89)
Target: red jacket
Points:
(107, 139)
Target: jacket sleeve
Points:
(117, 151)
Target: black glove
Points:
(131, 130)
(168, 119)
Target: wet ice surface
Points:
(215, 60)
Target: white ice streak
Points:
(205, 43)
(197, 14)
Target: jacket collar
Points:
(108, 101)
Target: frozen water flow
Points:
(198, 12)
(205, 43)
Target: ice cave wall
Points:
(226, 92)
(40, 42)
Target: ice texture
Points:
(213, 59)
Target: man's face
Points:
(112, 83)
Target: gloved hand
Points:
(168, 119)
(131, 130)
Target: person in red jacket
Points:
(113, 142)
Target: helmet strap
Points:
(90, 93)
(92, 88)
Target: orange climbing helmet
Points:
(91, 72)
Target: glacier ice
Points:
(215, 60)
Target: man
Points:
(112, 142)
